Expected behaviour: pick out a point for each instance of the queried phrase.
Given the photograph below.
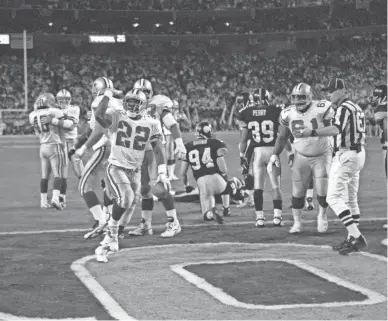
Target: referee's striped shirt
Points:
(350, 120)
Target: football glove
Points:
(274, 160)
(244, 165)
(162, 177)
(180, 149)
(79, 153)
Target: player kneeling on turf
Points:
(129, 135)
(205, 155)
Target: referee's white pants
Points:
(344, 179)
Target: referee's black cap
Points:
(335, 84)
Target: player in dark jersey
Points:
(244, 100)
(259, 124)
(205, 155)
(379, 102)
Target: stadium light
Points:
(135, 25)
(171, 23)
(157, 25)
(50, 24)
(227, 24)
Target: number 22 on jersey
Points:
(124, 136)
(196, 160)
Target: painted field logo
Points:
(273, 284)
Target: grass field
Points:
(38, 278)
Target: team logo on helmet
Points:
(204, 130)
(145, 86)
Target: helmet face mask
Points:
(301, 96)
(134, 102)
(261, 97)
(63, 98)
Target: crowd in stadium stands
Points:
(162, 4)
(202, 83)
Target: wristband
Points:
(179, 141)
(162, 169)
(108, 93)
(55, 121)
(83, 149)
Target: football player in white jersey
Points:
(159, 107)
(95, 167)
(129, 134)
(313, 155)
(72, 113)
(49, 124)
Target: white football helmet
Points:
(145, 86)
(46, 100)
(158, 103)
(99, 86)
(63, 98)
(301, 96)
(134, 103)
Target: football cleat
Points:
(337, 247)
(226, 211)
(143, 229)
(208, 216)
(173, 177)
(260, 222)
(322, 224)
(173, 228)
(97, 231)
(217, 216)
(353, 245)
(56, 204)
(277, 221)
(45, 205)
(101, 254)
(309, 204)
(296, 228)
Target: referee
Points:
(348, 130)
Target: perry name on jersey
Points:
(48, 133)
(262, 124)
(113, 104)
(316, 116)
(72, 112)
(202, 155)
(129, 138)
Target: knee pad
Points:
(145, 191)
(322, 201)
(298, 203)
(147, 204)
(159, 191)
(249, 182)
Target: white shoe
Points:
(384, 242)
(56, 204)
(101, 254)
(173, 177)
(277, 221)
(173, 228)
(109, 243)
(296, 228)
(260, 222)
(385, 226)
(143, 229)
(44, 205)
(322, 224)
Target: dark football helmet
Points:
(243, 100)
(261, 96)
(379, 96)
(204, 130)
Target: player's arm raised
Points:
(171, 124)
(104, 119)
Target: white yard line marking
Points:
(115, 310)
(369, 219)
(7, 316)
(372, 296)
(108, 303)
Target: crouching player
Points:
(49, 124)
(205, 155)
(259, 123)
(129, 135)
